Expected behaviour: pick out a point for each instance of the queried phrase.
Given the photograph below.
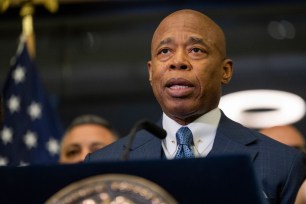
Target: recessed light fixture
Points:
(263, 108)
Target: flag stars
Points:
(7, 135)
(34, 110)
(27, 125)
(13, 104)
(19, 74)
(30, 139)
(53, 146)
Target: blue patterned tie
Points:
(184, 140)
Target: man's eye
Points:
(72, 153)
(164, 51)
(196, 50)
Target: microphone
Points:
(142, 124)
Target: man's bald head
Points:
(189, 18)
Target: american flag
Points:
(31, 130)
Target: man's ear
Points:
(227, 71)
(149, 64)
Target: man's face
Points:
(84, 139)
(187, 67)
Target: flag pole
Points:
(27, 12)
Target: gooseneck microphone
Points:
(146, 125)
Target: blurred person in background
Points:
(84, 135)
(301, 196)
(286, 134)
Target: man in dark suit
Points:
(187, 69)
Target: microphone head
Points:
(143, 124)
(152, 128)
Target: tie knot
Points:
(184, 136)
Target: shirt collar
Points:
(203, 130)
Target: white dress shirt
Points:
(203, 130)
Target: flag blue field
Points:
(31, 129)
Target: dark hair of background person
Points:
(91, 119)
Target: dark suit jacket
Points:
(279, 168)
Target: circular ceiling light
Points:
(263, 108)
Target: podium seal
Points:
(112, 189)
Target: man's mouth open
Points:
(179, 88)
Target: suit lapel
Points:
(233, 138)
